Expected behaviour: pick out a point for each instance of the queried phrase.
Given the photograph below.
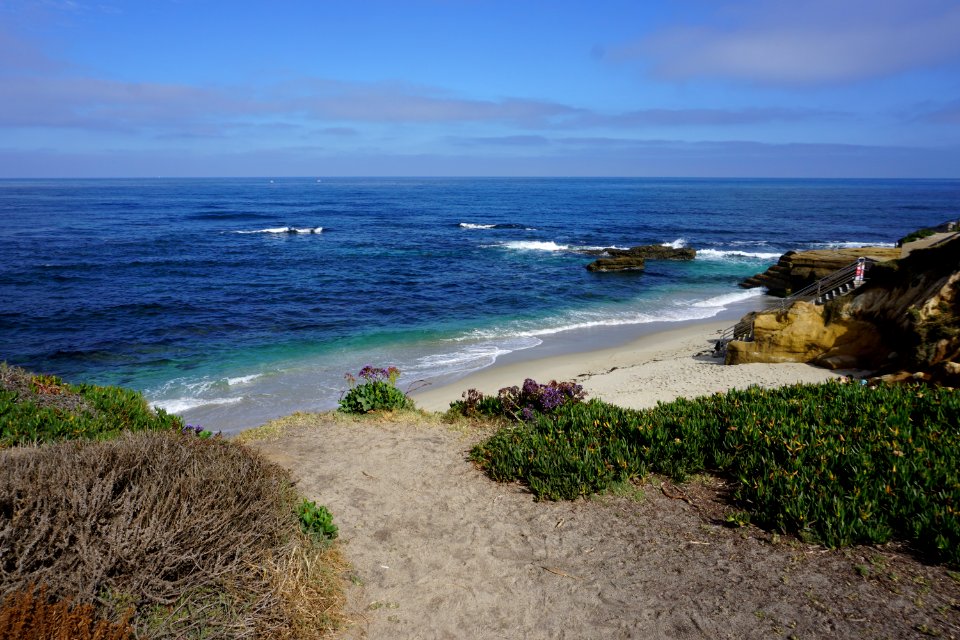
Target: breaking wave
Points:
(290, 230)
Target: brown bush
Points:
(25, 615)
(185, 529)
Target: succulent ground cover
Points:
(42, 408)
(838, 463)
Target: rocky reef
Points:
(904, 322)
(797, 269)
(634, 258)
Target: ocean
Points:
(233, 301)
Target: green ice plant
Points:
(842, 463)
(377, 391)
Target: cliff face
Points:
(795, 270)
(804, 332)
(906, 318)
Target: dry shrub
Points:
(187, 530)
(28, 616)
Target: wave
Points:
(472, 357)
(850, 245)
(472, 225)
(679, 243)
(243, 379)
(719, 254)
(179, 405)
(534, 245)
(728, 299)
(290, 230)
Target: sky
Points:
(687, 88)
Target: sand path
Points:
(440, 551)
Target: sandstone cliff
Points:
(795, 270)
(906, 319)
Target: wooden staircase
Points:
(835, 285)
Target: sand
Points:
(655, 368)
(438, 550)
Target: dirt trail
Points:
(440, 551)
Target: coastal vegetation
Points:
(43, 408)
(122, 522)
(837, 463)
(376, 391)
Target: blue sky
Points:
(838, 88)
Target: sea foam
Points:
(727, 299)
(719, 254)
(535, 245)
(292, 230)
(179, 405)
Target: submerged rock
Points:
(633, 259)
(621, 263)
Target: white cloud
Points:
(806, 43)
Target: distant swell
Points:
(472, 225)
(290, 230)
(227, 215)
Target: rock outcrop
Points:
(806, 332)
(797, 269)
(905, 320)
(634, 258)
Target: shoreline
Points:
(658, 366)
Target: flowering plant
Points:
(373, 389)
(198, 431)
(522, 403)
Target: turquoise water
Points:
(232, 301)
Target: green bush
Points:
(40, 408)
(919, 234)
(317, 521)
(377, 392)
(844, 463)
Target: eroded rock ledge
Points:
(797, 269)
(634, 258)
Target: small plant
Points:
(738, 519)
(200, 432)
(317, 521)
(377, 391)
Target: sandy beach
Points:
(656, 367)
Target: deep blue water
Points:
(191, 291)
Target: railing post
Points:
(861, 267)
